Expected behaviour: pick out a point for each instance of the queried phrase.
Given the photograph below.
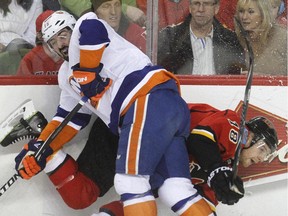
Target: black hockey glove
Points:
(220, 180)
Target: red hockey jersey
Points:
(212, 141)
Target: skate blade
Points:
(25, 110)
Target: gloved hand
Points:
(92, 84)
(220, 180)
(26, 164)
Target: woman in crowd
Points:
(268, 40)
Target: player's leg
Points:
(177, 191)
(76, 189)
(132, 178)
(97, 159)
(81, 183)
(147, 130)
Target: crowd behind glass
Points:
(195, 37)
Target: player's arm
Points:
(203, 145)
(26, 164)
(92, 42)
(78, 122)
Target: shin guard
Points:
(77, 190)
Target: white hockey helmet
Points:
(56, 22)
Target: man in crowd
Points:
(197, 45)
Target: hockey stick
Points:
(244, 107)
(47, 142)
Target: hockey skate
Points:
(23, 123)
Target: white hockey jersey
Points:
(130, 70)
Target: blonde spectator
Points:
(268, 41)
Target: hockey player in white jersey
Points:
(136, 100)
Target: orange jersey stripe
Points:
(157, 78)
(63, 137)
(141, 209)
(134, 144)
(91, 58)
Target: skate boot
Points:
(24, 123)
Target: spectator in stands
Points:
(171, 12)
(268, 40)
(283, 17)
(10, 59)
(133, 13)
(76, 7)
(53, 5)
(41, 60)
(200, 45)
(110, 11)
(17, 22)
(278, 10)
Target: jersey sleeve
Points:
(92, 42)
(79, 121)
(213, 140)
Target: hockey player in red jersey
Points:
(211, 146)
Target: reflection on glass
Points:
(190, 38)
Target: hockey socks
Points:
(76, 189)
(141, 209)
(114, 208)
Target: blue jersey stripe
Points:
(91, 27)
(129, 83)
(80, 119)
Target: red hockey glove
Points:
(92, 84)
(220, 180)
(26, 164)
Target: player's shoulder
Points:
(222, 118)
(88, 15)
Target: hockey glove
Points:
(92, 84)
(220, 180)
(26, 164)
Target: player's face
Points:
(203, 12)
(110, 11)
(60, 43)
(250, 16)
(257, 153)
